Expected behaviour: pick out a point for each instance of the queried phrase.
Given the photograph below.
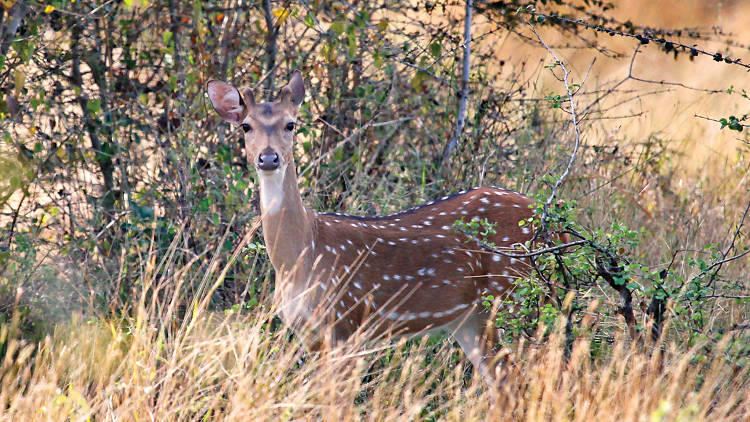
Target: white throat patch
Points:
(271, 190)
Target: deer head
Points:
(269, 130)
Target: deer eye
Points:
(290, 126)
(246, 127)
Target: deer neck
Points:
(287, 224)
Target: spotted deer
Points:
(406, 273)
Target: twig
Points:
(644, 38)
(351, 136)
(574, 118)
(453, 143)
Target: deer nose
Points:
(268, 159)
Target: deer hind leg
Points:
(477, 337)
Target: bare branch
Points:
(574, 118)
(453, 143)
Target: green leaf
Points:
(337, 27)
(435, 49)
(166, 36)
(309, 21)
(94, 106)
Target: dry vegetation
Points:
(240, 367)
(146, 304)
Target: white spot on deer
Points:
(425, 314)
(513, 261)
(386, 277)
(349, 242)
(447, 282)
(328, 248)
(451, 311)
(380, 240)
(416, 226)
(367, 264)
(506, 239)
(434, 255)
(481, 209)
(338, 314)
(397, 276)
(342, 247)
(414, 241)
(460, 269)
(346, 268)
(442, 213)
(525, 230)
(357, 285)
(431, 271)
(402, 239)
(405, 317)
(450, 252)
(464, 212)
(403, 229)
(506, 273)
(392, 243)
(496, 258)
(427, 223)
(484, 200)
(327, 223)
(446, 227)
(516, 206)
(447, 261)
(429, 217)
(409, 277)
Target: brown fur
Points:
(404, 273)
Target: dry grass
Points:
(212, 366)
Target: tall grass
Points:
(175, 360)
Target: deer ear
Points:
(294, 91)
(227, 101)
(248, 96)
